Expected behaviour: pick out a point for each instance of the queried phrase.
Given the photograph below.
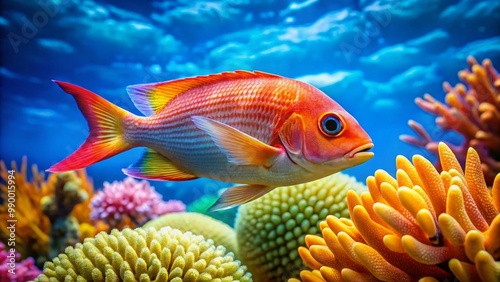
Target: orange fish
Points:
(253, 128)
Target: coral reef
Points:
(64, 228)
(270, 229)
(473, 112)
(198, 224)
(202, 204)
(145, 255)
(421, 224)
(130, 203)
(33, 227)
(13, 270)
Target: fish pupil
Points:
(331, 125)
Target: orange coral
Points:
(33, 226)
(474, 113)
(421, 224)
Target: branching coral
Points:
(33, 227)
(199, 224)
(474, 113)
(130, 203)
(270, 229)
(14, 270)
(421, 224)
(145, 255)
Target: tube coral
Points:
(198, 224)
(421, 224)
(130, 203)
(270, 229)
(473, 112)
(145, 255)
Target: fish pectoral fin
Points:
(239, 195)
(292, 134)
(154, 166)
(239, 147)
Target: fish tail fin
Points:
(105, 121)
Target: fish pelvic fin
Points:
(105, 121)
(154, 166)
(239, 195)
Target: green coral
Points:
(270, 229)
(145, 255)
(199, 224)
(202, 204)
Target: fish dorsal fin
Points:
(151, 98)
(154, 166)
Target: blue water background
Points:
(373, 57)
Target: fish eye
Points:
(331, 125)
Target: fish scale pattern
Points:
(255, 116)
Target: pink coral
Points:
(13, 270)
(130, 202)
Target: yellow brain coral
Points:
(145, 255)
(420, 224)
(199, 224)
(270, 229)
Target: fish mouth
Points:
(361, 152)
